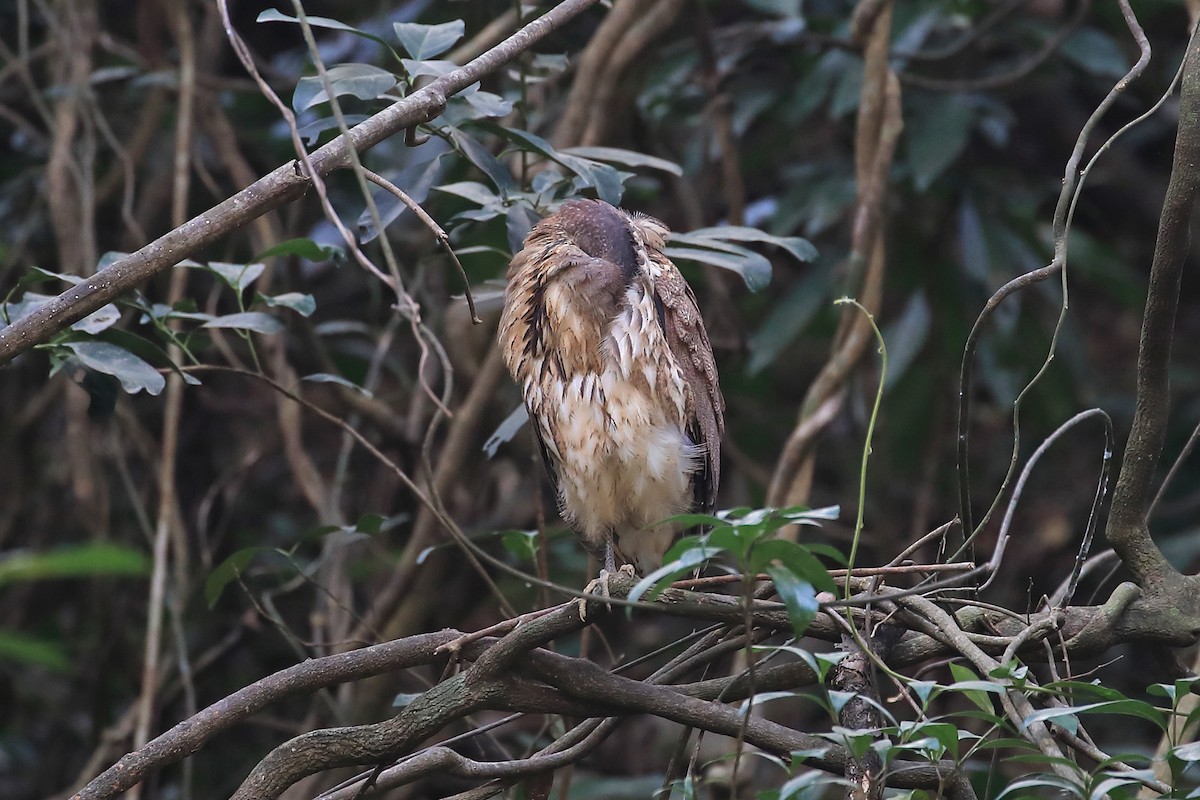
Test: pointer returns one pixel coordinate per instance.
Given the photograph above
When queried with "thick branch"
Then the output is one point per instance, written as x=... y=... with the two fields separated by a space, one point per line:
x=1126 y=617
x=190 y=735
x=281 y=186
x=1127 y=531
x=480 y=686
x=586 y=681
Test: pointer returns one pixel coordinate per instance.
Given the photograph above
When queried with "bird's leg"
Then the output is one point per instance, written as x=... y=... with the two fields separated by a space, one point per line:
x=601 y=581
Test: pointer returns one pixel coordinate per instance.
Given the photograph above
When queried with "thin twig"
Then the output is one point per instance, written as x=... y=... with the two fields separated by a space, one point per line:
x=1073 y=183
x=441 y=235
x=1010 y=76
x=1019 y=489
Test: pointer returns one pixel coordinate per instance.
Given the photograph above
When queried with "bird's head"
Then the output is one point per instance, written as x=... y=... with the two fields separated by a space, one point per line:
x=604 y=231
x=601 y=231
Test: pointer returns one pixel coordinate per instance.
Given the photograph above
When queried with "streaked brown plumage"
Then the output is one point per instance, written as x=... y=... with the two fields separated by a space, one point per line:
x=606 y=341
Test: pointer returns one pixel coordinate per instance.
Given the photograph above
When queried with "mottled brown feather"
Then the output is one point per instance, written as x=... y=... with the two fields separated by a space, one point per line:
x=688 y=340
x=605 y=338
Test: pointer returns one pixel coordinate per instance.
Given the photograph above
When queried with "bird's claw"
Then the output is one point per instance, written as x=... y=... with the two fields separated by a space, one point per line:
x=601 y=583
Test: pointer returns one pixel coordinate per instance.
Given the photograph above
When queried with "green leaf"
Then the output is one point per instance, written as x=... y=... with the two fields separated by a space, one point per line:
x=93 y=323
x=1077 y=690
x=236 y=276
x=433 y=68
x=626 y=158
x=793 y=558
x=483 y=104
x=1128 y=707
x=36 y=274
x=325 y=377
x=98 y=321
x=857 y=741
x=1007 y=743
x=754 y=269
x=133 y=373
x=311 y=133
x=820 y=663
x=696 y=520
x=227 y=571
x=1187 y=752
x=94 y=560
x=364 y=81
x=803 y=514
x=519 y=220
x=148 y=351
x=799 y=248
x=828 y=551
x=936 y=136
x=472 y=190
x=1041 y=785
x=811 y=784
x=922 y=689
x=1095 y=52
x=653 y=584
x=423 y=42
x=787 y=320
x=302 y=304
x=522 y=544
x=734 y=540
x=161 y=311
x=483 y=159
x=799 y=597
x=29 y=302
x=255 y=321
x=506 y=430
x=370 y=523
x=1106 y=789
x=973 y=688
x=906 y=336
x=417 y=188
x=601 y=177
x=32 y=650
x=304 y=248
x=274 y=15
x=404 y=699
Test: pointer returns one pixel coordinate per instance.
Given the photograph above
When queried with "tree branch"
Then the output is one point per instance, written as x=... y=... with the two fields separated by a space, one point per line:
x=283 y=185
x=1128 y=531
x=190 y=735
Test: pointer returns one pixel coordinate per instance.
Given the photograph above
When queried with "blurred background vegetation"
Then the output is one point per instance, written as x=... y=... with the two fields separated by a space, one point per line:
x=755 y=103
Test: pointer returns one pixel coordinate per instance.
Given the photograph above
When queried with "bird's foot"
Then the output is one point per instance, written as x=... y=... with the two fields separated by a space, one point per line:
x=600 y=583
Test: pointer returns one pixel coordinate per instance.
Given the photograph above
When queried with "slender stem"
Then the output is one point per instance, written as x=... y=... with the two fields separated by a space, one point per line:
x=866 y=451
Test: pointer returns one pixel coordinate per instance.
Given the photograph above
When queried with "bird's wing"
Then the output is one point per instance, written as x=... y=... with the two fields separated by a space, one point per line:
x=550 y=461
x=684 y=330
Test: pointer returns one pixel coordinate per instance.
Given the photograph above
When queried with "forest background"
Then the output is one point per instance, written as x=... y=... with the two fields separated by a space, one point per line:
x=280 y=451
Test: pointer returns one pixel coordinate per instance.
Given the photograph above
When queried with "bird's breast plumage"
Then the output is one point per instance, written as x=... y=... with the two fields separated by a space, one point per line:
x=585 y=338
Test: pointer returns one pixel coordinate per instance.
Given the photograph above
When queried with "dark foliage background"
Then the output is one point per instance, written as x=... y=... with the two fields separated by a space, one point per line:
x=755 y=101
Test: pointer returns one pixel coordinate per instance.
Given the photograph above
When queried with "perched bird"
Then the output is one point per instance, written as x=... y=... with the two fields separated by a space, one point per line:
x=603 y=335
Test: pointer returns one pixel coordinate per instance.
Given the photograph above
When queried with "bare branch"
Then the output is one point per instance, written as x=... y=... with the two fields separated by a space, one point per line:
x=1128 y=531
x=190 y=735
x=278 y=187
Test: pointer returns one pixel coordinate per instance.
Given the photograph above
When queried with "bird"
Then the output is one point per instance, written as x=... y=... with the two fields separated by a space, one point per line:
x=605 y=339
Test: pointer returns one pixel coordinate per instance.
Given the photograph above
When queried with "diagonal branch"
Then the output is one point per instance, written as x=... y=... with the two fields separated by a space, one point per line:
x=281 y=186
x=190 y=735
